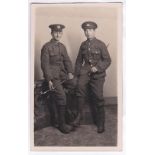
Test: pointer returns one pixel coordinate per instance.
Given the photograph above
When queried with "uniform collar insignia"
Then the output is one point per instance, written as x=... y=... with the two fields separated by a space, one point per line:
x=91 y=39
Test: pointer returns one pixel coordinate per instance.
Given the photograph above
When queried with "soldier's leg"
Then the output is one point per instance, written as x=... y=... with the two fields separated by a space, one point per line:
x=70 y=84
x=71 y=109
x=60 y=99
x=53 y=111
x=98 y=99
x=81 y=92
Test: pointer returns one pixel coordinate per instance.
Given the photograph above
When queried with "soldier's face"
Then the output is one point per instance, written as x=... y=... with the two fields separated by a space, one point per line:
x=89 y=33
x=57 y=35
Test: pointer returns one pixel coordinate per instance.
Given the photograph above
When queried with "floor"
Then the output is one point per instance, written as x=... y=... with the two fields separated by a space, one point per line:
x=85 y=135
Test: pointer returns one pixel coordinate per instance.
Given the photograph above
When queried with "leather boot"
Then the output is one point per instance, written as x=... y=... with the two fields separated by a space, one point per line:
x=63 y=127
x=80 y=102
x=100 y=119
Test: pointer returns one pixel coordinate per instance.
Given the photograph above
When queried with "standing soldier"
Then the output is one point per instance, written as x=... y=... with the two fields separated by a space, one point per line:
x=57 y=67
x=92 y=61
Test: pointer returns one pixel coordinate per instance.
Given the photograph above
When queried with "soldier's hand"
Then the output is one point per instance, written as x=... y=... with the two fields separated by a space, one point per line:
x=50 y=85
x=70 y=76
x=94 y=69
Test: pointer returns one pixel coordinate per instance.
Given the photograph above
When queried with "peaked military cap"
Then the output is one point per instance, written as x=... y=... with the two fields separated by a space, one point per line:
x=56 y=27
x=89 y=25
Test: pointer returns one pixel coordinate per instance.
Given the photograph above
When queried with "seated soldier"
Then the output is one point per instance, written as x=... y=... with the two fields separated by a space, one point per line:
x=57 y=69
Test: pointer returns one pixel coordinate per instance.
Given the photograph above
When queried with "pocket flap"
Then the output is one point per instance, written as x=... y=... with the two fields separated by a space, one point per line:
x=96 y=51
x=52 y=53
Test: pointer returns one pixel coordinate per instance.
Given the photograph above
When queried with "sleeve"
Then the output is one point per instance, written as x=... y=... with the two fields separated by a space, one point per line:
x=105 y=60
x=78 y=63
x=67 y=62
x=45 y=63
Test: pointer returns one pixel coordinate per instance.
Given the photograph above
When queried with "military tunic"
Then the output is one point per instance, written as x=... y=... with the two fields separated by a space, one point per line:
x=92 y=53
x=56 y=65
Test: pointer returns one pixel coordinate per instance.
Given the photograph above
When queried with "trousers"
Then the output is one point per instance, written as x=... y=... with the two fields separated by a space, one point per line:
x=58 y=94
x=87 y=85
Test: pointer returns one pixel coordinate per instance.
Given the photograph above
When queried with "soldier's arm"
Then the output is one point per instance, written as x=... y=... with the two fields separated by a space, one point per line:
x=45 y=63
x=67 y=62
x=78 y=63
x=105 y=61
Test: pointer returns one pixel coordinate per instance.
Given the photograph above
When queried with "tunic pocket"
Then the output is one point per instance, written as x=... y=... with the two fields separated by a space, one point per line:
x=52 y=53
x=96 y=54
x=54 y=57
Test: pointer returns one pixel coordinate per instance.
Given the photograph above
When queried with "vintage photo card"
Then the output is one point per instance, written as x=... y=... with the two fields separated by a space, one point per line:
x=76 y=76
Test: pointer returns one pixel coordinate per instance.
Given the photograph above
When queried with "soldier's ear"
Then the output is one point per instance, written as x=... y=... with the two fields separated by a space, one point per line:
x=51 y=32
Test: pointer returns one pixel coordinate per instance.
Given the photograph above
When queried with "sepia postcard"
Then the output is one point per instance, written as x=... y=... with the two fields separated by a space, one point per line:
x=82 y=44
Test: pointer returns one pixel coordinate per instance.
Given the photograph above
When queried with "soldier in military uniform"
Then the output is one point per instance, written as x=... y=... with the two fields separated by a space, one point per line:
x=92 y=61
x=57 y=67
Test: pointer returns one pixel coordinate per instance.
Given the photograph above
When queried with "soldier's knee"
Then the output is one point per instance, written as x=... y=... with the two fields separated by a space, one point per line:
x=98 y=97
x=80 y=85
x=72 y=83
x=80 y=91
x=62 y=96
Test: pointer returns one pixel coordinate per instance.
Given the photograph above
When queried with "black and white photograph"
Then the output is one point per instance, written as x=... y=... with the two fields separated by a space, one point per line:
x=76 y=76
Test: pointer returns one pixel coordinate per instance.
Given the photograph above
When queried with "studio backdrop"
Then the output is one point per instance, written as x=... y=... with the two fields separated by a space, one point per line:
x=109 y=31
